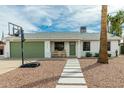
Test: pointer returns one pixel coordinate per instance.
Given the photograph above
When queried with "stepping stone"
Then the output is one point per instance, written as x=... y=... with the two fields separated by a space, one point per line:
x=72 y=61
x=72 y=70
x=71 y=67
x=71 y=86
x=67 y=75
x=70 y=81
x=73 y=64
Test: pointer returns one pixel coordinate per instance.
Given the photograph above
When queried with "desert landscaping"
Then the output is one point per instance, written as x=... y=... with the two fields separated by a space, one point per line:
x=103 y=75
x=44 y=76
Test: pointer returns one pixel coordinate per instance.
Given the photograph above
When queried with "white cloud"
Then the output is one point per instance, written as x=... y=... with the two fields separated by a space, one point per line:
x=115 y=8
x=58 y=17
x=10 y=15
x=86 y=14
x=44 y=14
x=80 y=16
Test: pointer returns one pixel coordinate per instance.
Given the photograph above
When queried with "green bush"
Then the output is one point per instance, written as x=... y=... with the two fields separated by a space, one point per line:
x=88 y=54
x=96 y=55
x=109 y=55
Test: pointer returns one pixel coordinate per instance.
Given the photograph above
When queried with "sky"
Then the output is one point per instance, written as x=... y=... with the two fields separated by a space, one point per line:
x=49 y=18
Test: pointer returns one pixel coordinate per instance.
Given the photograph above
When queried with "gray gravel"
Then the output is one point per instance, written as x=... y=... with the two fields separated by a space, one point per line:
x=44 y=76
x=104 y=75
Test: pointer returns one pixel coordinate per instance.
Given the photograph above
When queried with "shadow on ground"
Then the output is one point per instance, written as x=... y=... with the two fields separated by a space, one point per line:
x=40 y=83
x=91 y=66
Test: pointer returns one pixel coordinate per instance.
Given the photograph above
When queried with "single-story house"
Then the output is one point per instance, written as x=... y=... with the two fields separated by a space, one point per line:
x=58 y=44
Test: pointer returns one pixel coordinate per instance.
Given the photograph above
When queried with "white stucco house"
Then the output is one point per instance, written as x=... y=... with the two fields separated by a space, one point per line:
x=58 y=44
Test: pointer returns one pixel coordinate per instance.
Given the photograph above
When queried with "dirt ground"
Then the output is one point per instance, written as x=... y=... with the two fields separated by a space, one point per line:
x=47 y=74
x=44 y=76
x=103 y=75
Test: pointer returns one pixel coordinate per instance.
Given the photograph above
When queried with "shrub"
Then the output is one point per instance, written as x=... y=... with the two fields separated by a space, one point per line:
x=109 y=55
x=88 y=54
x=96 y=55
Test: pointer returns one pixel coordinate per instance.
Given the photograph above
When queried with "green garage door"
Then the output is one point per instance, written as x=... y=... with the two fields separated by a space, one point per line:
x=31 y=49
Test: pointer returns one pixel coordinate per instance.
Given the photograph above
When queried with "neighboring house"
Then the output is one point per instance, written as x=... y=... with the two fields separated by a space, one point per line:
x=58 y=44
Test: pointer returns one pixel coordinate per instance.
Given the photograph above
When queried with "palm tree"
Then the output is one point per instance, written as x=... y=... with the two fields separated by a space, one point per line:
x=103 y=55
x=116 y=23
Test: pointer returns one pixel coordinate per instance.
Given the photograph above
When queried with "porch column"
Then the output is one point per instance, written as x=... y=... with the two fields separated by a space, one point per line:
x=47 y=49
x=67 y=48
x=78 y=49
x=7 y=49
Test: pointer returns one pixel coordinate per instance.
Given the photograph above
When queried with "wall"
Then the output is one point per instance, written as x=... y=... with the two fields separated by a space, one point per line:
x=66 y=46
x=47 y=49
x=7 y=49
x=94 y=48
x=78 y=48
x=114 y=47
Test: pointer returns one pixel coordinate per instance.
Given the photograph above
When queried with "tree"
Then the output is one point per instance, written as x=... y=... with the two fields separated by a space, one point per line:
x=116 y=22
x=103 y=55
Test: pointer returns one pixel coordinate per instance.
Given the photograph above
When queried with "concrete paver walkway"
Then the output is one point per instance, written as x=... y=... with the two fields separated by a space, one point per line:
x=72 y=77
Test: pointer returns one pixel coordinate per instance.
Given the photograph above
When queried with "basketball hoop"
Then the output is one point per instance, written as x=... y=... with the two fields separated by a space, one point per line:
x=17 y=31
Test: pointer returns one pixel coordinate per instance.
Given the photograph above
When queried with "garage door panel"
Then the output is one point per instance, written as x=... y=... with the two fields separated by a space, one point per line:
x=15 y=50
x=31 y=49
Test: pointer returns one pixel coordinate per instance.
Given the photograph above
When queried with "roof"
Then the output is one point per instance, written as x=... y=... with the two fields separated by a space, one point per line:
x=66 y=35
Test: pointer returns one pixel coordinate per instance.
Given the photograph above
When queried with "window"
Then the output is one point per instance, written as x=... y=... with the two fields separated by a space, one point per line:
x=1 y=51
x=109 y=46
x=59 y=46
x=86 y=46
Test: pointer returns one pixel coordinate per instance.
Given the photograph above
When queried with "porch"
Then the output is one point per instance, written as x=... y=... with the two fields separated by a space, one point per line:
x=62 y=49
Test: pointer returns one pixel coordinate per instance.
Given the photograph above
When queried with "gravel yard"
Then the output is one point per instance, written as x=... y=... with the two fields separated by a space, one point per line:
x=104 y=75
x=44 y=76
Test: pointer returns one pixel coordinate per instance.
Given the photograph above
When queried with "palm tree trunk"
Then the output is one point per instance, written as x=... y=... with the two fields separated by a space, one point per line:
x=103 y=55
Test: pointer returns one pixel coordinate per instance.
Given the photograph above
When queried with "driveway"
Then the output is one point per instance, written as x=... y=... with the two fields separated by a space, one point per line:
x=7 y=65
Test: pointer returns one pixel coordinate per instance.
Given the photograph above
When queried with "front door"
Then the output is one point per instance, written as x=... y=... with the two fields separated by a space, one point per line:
x=72 y=49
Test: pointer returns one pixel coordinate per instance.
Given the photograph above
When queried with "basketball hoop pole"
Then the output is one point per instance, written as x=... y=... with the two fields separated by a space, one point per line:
x=22 y=41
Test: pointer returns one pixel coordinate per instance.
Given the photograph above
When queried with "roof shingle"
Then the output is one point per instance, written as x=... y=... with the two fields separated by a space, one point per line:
x=66 y=35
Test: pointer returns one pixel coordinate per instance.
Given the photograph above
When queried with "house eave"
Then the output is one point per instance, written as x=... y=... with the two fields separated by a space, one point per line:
x=56 y=39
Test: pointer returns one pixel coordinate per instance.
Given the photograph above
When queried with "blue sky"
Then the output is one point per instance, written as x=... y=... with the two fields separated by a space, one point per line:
x=53 y=18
